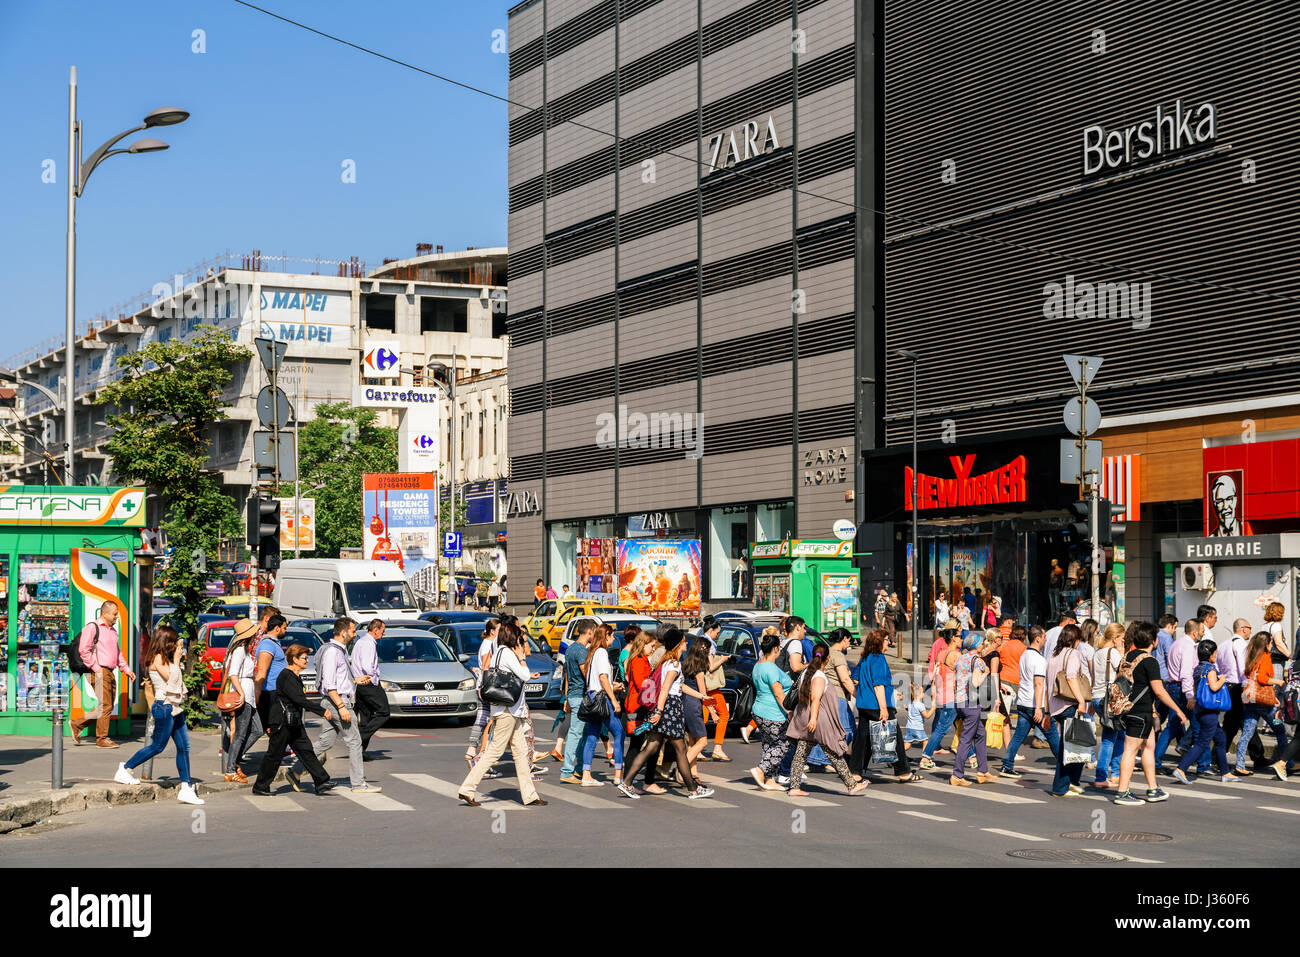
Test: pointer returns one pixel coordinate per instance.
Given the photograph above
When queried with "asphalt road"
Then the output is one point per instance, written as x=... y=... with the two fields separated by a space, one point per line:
x=418 y=821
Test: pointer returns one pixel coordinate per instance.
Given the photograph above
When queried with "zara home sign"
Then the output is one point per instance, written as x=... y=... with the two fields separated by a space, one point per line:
x=756 y=138
x=1152 y=140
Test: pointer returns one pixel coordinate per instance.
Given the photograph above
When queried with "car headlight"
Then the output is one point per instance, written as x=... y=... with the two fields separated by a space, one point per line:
x=466 y=685
x=558 y=672
x=390 y=686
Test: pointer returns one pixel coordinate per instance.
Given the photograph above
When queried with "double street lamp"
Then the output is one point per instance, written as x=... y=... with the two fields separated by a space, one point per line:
x=77 y=175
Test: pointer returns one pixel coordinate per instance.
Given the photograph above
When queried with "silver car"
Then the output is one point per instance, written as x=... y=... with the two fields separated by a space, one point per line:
x=422 y=677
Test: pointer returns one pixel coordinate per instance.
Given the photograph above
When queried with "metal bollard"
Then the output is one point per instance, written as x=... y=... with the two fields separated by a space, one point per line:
x=56 y=746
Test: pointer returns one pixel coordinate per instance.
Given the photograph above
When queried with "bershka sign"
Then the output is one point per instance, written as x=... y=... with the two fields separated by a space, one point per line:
x=1107 y=150
x=1002 y=485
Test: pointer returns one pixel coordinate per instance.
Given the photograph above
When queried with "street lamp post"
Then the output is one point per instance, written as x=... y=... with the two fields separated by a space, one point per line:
x=916 y=545
x=77 y=175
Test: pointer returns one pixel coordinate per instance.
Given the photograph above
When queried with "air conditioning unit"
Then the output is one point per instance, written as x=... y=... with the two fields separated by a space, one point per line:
x=1199 y=577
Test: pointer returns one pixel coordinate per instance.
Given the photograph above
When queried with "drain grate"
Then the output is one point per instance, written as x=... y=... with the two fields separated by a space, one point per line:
x=1048 y=856
x=1119 y=837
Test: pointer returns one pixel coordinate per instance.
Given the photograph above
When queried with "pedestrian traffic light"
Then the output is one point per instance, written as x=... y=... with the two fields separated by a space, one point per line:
x=268 y=534
x=1105 y=530
x=1083 y=528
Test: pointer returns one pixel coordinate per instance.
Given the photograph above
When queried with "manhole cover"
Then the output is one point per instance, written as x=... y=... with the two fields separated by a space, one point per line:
x=1048 y=856
x=1122 y=837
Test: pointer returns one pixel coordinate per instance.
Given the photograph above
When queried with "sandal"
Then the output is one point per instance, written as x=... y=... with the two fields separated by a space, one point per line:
x=718 y=757
x=654 y=789
x=907 y=778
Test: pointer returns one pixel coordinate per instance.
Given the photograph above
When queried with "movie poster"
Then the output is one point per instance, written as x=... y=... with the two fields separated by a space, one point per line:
x=597 y=569
x=963 y=571
x=400 y=519
x=659 y=576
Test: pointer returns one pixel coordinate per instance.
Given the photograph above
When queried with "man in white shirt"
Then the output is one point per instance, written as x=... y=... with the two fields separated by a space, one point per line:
x=940 y=612
x=1209 y=618
x=1049 y=643
x=1031 y=702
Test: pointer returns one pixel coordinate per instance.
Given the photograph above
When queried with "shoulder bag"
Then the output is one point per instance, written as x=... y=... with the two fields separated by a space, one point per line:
x=1062 y=687
x=500 y=686
x=230 y=700
x=1253 y=692
x=791 y=700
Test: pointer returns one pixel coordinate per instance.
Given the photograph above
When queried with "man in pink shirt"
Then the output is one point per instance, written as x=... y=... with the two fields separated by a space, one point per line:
x=99 y=648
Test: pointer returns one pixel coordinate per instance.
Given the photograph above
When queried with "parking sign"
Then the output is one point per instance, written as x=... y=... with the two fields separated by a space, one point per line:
x=451 y=544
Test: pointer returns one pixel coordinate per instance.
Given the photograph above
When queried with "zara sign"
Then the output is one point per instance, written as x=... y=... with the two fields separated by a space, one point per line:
x=757 y=138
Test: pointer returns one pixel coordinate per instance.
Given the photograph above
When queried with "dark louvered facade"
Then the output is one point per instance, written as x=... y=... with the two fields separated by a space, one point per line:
x=648 y=277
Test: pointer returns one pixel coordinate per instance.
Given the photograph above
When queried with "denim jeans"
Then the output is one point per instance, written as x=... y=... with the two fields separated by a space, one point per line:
x=1110 y=747
x=1255 y=714
x=1023 y=727
x=166 y=726
x=1209 y=736
x=943 y=720
x=591 y=732
x=850 y=722
x=1173 y=728
x=1066 y=774
x=573 y=741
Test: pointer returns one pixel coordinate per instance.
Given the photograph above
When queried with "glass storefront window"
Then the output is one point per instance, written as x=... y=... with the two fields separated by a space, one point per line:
x=772 y=523
x=562 y=551
x=728 y=545
x=599 y=528
x=41 y=667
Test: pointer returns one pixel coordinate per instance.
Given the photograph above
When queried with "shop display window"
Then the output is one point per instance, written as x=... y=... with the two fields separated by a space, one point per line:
x=728 y=549
x=41 y=666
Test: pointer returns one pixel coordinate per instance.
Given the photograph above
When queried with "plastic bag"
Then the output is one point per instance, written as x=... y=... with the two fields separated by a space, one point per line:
x=884 y=742
x=993 y=729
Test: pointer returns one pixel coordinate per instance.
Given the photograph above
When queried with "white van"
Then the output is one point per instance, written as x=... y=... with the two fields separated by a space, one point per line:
x=329 y=587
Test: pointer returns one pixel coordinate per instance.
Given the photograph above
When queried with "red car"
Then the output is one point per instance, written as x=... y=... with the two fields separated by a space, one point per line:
x=218 y=635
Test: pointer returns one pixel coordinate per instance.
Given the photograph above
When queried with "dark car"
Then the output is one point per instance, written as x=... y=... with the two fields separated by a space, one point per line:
x=545 y=686
x=309 y=640
x=443 y=617
x=741 y=636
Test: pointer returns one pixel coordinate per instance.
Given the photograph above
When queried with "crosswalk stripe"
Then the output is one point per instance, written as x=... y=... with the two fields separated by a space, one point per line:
x=1179 y=791
x=976 y=792
x=930 y=817
x=755 y=791
x=1247 y=786
x=1016 y=834
x=574 y=794
x=273 y=803
x=1280 y=810
x=451 y=789
x=373 y=802
x=1019 y=787
x=891 y=795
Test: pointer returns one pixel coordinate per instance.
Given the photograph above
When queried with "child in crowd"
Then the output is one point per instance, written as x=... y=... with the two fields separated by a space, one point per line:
x=917 y=713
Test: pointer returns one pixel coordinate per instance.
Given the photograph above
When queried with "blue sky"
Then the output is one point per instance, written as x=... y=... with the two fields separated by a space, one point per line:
x=275 y=113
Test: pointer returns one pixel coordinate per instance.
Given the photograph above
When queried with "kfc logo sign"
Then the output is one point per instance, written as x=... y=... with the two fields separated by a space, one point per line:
x=1224 y=500
x=1002 y=485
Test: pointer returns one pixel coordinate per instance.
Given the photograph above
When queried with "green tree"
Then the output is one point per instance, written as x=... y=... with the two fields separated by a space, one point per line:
x=335 y=449
x=165 y=405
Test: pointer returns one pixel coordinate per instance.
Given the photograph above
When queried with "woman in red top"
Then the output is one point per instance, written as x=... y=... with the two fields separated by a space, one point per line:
x=641 y=645
x=1257 y=677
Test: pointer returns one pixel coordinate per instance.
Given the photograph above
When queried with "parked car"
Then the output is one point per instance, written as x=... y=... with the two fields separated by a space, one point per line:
x=313 y=588
x=423 y=677
x=545 y=686
x=549 y=629
x=618 y=621
x=442 y=617
x=309 y=639
x=322 y=628
x=218 y=635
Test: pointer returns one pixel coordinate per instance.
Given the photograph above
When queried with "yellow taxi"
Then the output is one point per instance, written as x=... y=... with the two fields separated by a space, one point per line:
x=547 y=623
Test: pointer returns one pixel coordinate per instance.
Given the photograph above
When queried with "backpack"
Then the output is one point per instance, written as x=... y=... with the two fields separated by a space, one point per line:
x=75 y=663
x=783 y=657
x=1117 y=695
x=648 y=696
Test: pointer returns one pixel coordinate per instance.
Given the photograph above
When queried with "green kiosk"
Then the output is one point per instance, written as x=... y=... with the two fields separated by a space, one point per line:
x=64 y=551
x=812 y=578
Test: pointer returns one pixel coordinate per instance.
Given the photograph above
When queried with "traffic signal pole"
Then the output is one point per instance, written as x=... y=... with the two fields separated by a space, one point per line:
x=1094 y=499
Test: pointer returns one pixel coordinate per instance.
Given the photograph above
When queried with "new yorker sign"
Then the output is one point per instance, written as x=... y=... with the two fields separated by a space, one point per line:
x=965 y=488
x=1168 y=133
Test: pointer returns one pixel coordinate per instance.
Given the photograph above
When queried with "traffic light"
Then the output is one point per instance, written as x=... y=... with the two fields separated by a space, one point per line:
x=264 y=531
x=1082 y=529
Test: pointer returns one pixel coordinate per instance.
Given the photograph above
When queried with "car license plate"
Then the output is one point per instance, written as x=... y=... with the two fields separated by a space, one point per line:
x=536 y=688
x=420 y=699
x=309 y=687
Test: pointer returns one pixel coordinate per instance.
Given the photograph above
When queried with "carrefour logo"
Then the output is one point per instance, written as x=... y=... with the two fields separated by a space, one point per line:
x=424 y=442
x=381 y=359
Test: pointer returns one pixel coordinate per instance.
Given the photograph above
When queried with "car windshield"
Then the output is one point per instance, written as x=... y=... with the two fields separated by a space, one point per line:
x=300 y=637
x=379 y=594
x=648 y=625
x=220 y=637
x=413 y=649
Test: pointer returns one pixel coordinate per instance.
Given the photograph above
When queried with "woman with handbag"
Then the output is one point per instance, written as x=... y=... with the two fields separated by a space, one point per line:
x=667 y=722
x=971 y=687
x=697 y=703
x=486 y=650
x=1212 y=700
x=715 y=679
x=1069 y=698
x=1257 y=694
x=770 y=717
x=1105 y=666
x=815 y=719
x=636 y=660
x=503 y=688
x=235 y=701
x=600 y=710
x=875 y=703
x=288 y=708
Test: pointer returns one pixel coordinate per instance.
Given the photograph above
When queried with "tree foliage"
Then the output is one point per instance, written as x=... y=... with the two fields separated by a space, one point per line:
x=164 y=407
x=335 y=449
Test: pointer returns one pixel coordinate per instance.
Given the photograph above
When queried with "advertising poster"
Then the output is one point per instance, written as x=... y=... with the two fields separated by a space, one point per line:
x=772 y=593
x=597 y=568
x=298 y=531
x=659 y=576
x=983 y=580
x=400 y=516
x=98 y=575
x=942 y=558
x=911 y=578
x=963 y=571
x=839 y=602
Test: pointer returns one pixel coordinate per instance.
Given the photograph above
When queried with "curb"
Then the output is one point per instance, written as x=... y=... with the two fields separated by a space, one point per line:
x=19 y=813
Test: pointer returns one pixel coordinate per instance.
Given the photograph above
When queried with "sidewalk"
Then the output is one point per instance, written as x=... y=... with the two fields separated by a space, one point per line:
x=25 y=763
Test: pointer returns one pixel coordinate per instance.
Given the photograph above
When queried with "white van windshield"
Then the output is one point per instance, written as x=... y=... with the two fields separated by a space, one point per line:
x=379 y=595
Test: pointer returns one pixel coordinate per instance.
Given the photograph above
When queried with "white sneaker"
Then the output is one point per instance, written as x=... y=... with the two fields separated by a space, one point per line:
x=123 y=776
x=367 y=789
x=185 y=794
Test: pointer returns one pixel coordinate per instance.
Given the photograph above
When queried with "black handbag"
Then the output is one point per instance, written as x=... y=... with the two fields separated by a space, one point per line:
x=791 y=700
x=500 y=686
x=594 y=708
x=1080 y=732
